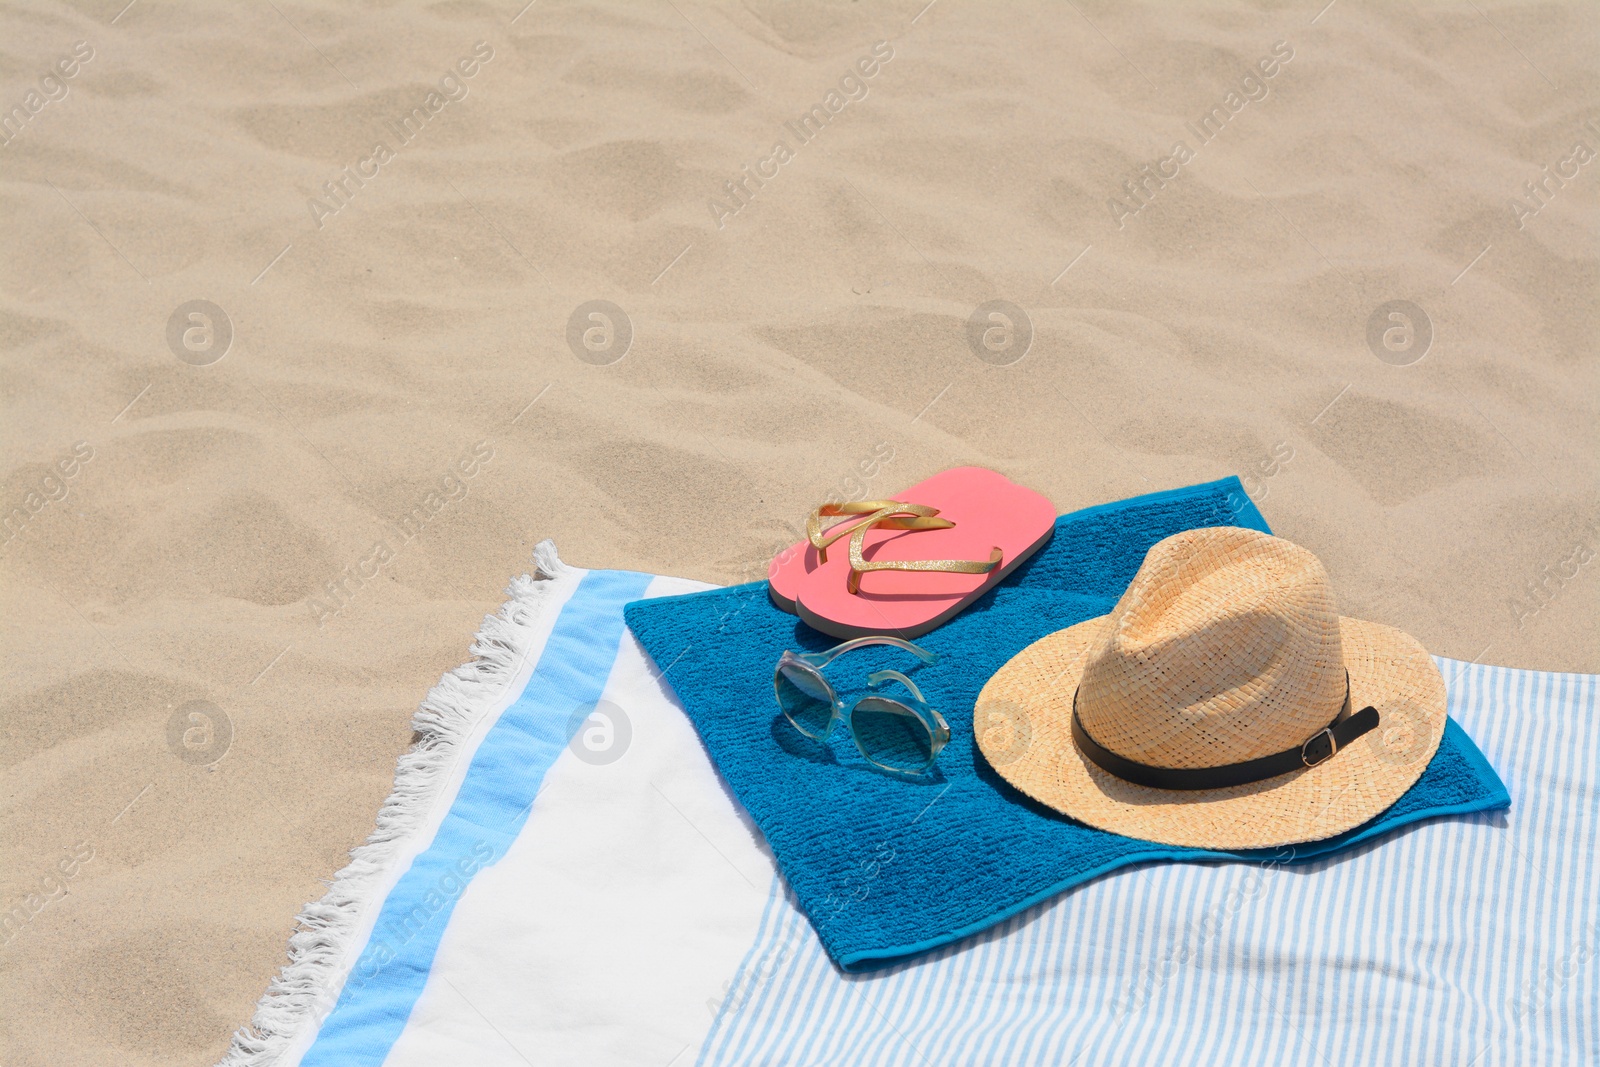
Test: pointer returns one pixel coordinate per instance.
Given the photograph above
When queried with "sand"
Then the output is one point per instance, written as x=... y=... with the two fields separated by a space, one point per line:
x=304 y=533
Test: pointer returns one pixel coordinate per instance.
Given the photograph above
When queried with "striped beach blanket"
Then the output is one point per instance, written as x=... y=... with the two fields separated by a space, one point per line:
x=560 y=877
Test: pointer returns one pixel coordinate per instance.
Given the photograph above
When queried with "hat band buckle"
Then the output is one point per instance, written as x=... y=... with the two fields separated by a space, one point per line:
x=1333 y=747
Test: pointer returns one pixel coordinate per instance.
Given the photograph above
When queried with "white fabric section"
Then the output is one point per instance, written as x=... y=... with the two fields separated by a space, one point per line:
x=615 y=923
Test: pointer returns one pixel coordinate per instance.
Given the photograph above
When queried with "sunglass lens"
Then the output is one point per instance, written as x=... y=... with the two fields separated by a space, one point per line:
x=892 y=735
x=805 y=700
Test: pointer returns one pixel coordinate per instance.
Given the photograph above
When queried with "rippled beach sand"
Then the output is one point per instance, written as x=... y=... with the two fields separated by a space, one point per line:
x=299 y=367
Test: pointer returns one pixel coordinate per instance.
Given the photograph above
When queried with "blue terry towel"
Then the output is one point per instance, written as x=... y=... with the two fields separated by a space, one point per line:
x=886 y=868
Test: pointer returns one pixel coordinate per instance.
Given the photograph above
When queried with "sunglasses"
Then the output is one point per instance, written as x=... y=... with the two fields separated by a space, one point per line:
x=901 y=736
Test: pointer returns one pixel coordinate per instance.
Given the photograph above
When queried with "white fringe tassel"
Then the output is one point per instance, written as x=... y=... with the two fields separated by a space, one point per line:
x=307 y=988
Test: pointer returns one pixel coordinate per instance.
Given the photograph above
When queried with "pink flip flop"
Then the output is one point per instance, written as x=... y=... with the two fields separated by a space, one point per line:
x=906 y=580
x=790 y=568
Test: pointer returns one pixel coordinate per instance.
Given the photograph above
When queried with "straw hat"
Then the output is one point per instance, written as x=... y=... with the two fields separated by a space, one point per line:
x=1223 y=704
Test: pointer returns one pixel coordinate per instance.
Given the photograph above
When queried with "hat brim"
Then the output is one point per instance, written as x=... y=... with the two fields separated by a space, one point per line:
x=1023 y=725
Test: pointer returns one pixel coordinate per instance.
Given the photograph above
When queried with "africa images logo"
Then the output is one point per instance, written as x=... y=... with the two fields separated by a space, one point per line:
x=337 y=193
x=1140 y=188
x=53 y=89
x=852 y=88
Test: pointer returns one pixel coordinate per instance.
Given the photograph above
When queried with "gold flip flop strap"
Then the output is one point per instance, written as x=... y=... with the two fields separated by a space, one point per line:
x=859 y=564
x=888 y=513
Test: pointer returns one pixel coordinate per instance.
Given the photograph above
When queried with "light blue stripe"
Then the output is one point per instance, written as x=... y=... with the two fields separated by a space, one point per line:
x=1410 y=949
x=1032 y=973
x=909 y=983
x=856 y=993
x=772 y=986
x=794 y=1025
x=741 y=987
x=993 y=1001
x=495 y=798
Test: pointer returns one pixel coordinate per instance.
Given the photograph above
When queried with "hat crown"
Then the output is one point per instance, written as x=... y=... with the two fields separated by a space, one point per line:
x=1224 y=648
